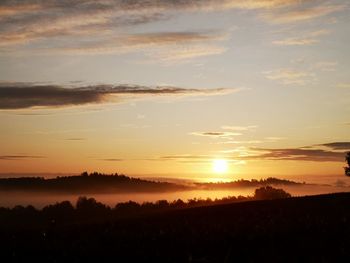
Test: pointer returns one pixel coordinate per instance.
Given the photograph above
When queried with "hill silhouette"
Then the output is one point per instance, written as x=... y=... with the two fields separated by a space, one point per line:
x=88 y=183
x=115 y=183
x=302 y=229
x=247 y=183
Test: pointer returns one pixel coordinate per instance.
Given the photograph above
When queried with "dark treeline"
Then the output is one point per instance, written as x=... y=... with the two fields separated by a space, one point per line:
x=88 y=183
x=247 y=183
x=115 y=183
x=89 y=210
x=302 y=229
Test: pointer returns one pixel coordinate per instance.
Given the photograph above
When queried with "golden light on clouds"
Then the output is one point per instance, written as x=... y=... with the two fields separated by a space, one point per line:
x=175 y=88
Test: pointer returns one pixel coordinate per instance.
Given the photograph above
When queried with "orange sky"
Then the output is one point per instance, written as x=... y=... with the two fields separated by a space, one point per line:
x=165 y=89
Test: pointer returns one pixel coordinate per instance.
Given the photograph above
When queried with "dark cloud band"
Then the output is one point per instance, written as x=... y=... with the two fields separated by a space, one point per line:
x=337 y=145
x=296 y=154
x=285 y=154
x=20 y=96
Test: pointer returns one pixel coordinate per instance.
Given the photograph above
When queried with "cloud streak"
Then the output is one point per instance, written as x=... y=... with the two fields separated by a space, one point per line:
x=216 y=134
x=165 y=46
x=337 y=145
x=303 y=14
x=304 y=40
x=242 y=154
x=289 y=76
x=295 y=154
x=111 y=160
x=27 y=95
x=19 y=157
x=23 y=22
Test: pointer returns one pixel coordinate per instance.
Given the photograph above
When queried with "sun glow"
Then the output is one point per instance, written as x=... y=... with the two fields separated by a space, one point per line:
x=220 y=166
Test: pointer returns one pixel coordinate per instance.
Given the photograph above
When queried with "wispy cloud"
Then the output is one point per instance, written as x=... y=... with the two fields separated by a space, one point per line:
x=334 y=152
x=19 y=157
x=111 y=160
x=337 y=145
x=289 y=76
x=216 y=134
x=135 y=42
x=79 y=21
x=309 y=38
x=164 y=47
x=183 y=54
x=242 y=154
x=26 y=95
x=302 y=14
x=326 y=65
x=296 y=154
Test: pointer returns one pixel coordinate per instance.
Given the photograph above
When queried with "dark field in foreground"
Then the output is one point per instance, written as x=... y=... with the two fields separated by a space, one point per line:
x=312 y=229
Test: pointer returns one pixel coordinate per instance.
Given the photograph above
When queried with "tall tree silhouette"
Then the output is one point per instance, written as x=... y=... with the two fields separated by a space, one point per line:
x=347 y=159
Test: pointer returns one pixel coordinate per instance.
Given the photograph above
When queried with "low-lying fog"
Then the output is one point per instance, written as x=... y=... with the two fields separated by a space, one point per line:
x=39 y=200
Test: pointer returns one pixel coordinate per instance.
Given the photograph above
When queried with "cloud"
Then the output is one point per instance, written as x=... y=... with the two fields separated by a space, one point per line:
x=289 y=76
x=295 y=41
x=303 y=14
x=27 y=95
x=19 y=157
x=326 y=65
x=111 y=160
x=184 y=156
x=23 y=8
x=309 y=38
x=186 y=53
x=241 y=154
x=76 y=21
x=295 y=154
x=216 y=134
x=337 y=145
x=164 y=46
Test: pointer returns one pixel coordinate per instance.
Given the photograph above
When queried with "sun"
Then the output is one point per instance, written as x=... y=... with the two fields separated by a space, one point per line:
x=220 y=166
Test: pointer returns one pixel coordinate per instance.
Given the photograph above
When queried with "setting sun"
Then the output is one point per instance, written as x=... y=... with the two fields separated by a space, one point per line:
x=220 y=166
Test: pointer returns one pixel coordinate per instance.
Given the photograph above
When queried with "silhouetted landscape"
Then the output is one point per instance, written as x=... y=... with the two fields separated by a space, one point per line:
x=270 y=226
x=199 y=131
x=115 y=183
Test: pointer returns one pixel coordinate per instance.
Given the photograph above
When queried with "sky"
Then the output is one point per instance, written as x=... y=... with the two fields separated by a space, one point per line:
x=165 y=88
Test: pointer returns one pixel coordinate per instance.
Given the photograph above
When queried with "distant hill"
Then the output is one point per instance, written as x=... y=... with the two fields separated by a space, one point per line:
x=115 y=183
x=247 y=183
x=88 y=183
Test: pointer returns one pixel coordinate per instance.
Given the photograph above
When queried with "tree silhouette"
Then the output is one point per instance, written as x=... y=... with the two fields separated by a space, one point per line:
x=268 y=192
x=347 y=159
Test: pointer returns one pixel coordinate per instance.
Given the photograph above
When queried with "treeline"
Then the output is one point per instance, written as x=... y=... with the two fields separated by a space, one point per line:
x=86 y=183
x=301 y=229
x=247 y=183
x=90 y=210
